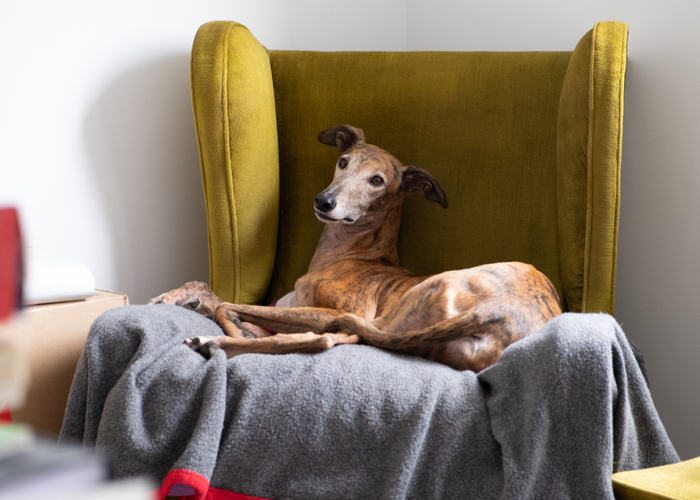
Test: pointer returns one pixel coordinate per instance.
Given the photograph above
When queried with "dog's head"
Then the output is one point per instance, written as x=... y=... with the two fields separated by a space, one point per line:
x=368 y=181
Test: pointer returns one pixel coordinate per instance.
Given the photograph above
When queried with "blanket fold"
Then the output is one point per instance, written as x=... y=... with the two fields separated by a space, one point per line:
x=553 y=418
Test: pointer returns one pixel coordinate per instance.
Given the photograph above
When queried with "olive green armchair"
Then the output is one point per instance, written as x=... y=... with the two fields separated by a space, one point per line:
x=526 y=144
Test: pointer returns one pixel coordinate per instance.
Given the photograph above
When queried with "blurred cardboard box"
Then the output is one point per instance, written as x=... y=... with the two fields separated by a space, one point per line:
x=40 y=346
x=50 y=340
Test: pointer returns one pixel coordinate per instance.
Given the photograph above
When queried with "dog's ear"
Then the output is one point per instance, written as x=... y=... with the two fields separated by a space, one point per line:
x=343 y=136
x=418 y=180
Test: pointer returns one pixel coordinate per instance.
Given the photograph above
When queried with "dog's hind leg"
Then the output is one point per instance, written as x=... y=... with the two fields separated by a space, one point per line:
x=276 y=344
x=472 y=340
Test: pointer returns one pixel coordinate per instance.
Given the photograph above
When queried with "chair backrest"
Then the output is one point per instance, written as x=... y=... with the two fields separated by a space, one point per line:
x=525 y=144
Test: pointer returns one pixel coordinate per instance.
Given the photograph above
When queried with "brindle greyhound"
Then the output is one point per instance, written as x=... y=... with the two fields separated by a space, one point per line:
x=356 y=291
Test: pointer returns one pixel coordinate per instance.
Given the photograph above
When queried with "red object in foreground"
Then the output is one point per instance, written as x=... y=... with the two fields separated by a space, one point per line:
x=5 y=417
x=193 y=486
x=10 y=277
x=10 y=263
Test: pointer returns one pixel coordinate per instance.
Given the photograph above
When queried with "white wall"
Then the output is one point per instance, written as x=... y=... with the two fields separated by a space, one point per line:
x=659 y=246
x=97 y=145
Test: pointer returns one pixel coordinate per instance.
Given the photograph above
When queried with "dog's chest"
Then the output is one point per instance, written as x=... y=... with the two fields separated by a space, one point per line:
x=350 y=286
x=348 y=290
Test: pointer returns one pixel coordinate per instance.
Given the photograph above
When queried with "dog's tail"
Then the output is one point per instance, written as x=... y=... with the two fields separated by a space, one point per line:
x=474 y=322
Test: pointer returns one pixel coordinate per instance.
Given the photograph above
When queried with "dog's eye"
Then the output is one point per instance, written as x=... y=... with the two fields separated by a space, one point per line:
x=377 y=181
x=343 y=163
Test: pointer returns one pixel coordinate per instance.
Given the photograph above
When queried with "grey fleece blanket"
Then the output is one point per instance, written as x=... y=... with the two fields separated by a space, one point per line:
x=554 y=418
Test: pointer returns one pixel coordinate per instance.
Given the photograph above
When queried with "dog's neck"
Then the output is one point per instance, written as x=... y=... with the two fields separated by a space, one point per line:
x=368 y=241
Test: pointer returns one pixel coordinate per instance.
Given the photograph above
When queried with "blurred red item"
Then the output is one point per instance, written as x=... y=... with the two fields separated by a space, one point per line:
x=10 y=277
x=5 y=417
x=10 y=263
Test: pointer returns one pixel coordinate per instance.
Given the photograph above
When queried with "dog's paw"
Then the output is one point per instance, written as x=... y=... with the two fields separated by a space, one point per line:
x=193 y=295
x=206 y=346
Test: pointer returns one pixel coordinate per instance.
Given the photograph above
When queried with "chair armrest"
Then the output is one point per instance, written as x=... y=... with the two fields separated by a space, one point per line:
x=589 y=146
x=237 y=141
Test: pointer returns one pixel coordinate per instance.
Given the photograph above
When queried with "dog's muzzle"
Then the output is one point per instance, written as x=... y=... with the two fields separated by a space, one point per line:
x=324 y=202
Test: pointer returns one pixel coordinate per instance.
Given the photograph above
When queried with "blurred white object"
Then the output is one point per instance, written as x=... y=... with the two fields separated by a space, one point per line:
x=53 y=279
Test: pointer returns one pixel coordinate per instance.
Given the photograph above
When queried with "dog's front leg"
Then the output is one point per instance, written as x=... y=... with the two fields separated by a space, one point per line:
x=198 y=297
x=194 y=295
x=279 y=319
x=304 y=327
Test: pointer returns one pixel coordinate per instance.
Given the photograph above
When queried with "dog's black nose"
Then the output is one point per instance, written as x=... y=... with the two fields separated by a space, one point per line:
x=324 y=202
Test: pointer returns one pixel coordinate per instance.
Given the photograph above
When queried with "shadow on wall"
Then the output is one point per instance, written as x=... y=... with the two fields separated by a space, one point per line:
x=141 y=141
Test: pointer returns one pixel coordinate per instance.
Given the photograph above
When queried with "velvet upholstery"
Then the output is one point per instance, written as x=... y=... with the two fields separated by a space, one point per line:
x=679 y=481
x=526 y=145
